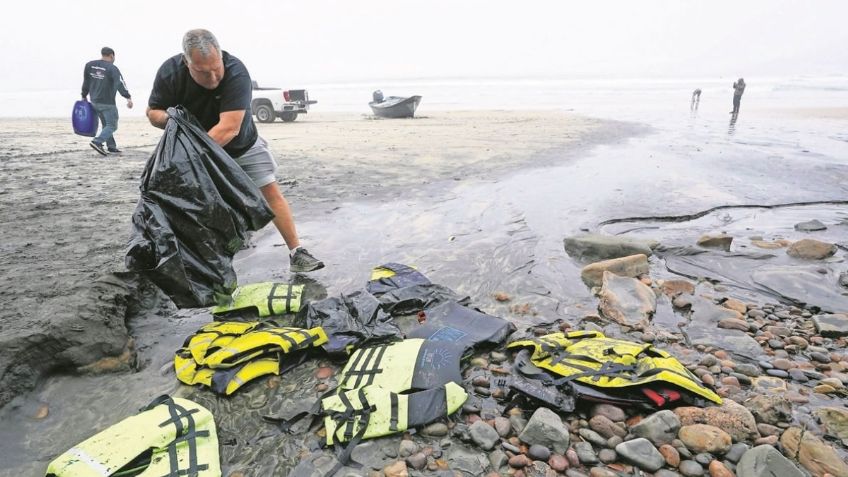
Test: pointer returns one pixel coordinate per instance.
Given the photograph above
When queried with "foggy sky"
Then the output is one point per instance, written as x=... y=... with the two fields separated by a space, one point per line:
x=46 y=43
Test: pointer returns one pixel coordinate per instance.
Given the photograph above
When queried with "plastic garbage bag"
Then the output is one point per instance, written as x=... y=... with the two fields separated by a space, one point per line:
x=471 y=328
x=196 y=208
x=84 y=119
x=350 y=321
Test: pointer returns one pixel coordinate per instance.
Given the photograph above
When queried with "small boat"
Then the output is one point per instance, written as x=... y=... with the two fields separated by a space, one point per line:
x=394 y=106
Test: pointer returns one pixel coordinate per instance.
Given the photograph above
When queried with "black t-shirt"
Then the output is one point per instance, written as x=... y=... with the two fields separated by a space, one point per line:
x=174 y=86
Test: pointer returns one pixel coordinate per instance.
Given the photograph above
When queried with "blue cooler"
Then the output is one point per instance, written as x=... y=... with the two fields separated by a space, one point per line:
x=84 y=118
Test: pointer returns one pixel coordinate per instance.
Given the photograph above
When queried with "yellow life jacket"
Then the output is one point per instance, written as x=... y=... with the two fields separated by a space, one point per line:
x=373 y=411
x=227 y=355
x=591 y=358
x=389 y=388
x=267 y=298
x=171 y=437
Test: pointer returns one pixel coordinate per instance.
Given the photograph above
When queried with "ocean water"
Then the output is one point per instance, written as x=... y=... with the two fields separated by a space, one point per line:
x=595 y=96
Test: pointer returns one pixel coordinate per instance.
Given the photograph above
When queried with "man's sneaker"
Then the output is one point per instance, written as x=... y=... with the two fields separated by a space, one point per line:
x=303 y=261
x=98 y=147
x=114 y=150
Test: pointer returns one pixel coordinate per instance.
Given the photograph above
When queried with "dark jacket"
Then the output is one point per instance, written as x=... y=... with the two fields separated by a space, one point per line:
x=101 y=79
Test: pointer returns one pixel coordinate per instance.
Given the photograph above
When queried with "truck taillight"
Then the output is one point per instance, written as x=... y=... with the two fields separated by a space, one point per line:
x=286 y=96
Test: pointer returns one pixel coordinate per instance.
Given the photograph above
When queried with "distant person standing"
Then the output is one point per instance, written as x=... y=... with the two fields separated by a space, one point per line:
x=215 y=87
x=696 y=99
x=738 y=89
x=101 y=79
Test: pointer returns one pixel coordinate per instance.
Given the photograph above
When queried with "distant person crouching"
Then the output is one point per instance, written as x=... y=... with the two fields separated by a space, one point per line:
x=696 y=99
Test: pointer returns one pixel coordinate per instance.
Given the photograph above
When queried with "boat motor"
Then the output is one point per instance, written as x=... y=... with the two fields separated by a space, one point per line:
x=377 y=96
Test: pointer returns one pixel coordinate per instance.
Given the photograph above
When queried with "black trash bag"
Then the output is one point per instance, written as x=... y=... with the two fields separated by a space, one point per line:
x=411 y=300
x=405 y=276
x=195 y=210
x=350 y=321
x=471 y=328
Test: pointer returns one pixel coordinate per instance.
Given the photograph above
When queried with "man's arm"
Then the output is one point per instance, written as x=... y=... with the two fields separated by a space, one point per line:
x=157 y=117
x=85 y=81
x=228 y=127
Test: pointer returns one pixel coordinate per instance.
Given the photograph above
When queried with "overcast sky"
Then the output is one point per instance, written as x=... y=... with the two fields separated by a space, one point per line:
x=46 y=43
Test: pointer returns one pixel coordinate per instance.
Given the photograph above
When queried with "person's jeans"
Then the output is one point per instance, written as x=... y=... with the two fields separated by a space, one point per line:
x=108 y=114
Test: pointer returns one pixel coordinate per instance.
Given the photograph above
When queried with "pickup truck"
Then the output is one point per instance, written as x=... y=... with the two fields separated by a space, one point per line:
x=271 y=103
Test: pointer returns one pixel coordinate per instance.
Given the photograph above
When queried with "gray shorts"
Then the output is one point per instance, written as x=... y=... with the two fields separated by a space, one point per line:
x=259 y=163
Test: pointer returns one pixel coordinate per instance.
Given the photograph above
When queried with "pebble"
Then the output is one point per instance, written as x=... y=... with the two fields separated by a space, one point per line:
x=736 y=451
x=607 y=456
x=407 y=448
x=497 y=357
x=396 y=469
x=690 y=468
x=558 y=462
x=765 y=365
x=42 y=412
x=778 y=373
x=798 y=375
x=510 y=447
x=782 y=363
x=666 y=473
x=775 y=344
x=717 y=469
x=502 y=426
x=518 y=461
x=601 y=472
x=605 y=427
x=574 y=473
x=417 y=461
x=672 y=457
x=324 y=372
x=613 y=413
x=593 y=437
x=614 y=441
x=585 y=453
x=748 y=370
x=498 y=459
x=539 y=452
x=704 y=458
x=437 y=429
x=820 y=357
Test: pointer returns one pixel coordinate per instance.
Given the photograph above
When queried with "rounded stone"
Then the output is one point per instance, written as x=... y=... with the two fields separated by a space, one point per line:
x=690 y=468
x=558 y=462
x=539 y=452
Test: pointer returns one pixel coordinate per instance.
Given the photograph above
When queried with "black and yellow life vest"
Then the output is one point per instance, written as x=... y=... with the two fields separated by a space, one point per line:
x=267 y=298
x=591 y=358
x=389 y=388
x=171 y=437
x=227 y=355
x=391 y=276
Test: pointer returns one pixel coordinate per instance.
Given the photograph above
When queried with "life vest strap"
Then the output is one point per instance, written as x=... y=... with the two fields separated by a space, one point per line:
x=393 y=422
x=273 y=296
x=368 y=369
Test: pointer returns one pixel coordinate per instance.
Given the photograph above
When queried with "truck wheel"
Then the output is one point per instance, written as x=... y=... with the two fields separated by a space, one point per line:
x=264 y=114
x=288 y=117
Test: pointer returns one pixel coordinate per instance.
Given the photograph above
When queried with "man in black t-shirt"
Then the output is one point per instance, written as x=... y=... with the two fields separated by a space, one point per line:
x=215 y=87
x=100 y=80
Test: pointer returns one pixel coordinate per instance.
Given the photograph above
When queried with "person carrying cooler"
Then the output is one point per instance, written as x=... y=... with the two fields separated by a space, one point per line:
x=101 y=79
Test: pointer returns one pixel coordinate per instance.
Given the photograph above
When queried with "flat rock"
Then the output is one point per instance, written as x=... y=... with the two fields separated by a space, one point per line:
x=831 y=325
x=813 y=285
x=732 y=417
x=659 y=428
x=466 y=460
x=585 y=453
x=834 y=420
x=811 y=249
x=626 y=301
x=812 y=453
x=641 y=453
x=720 y=242
x=705 y=438
x=603 y=426
x=770 y=408
x=483 y=434
x=814 y=225
x=546 y=428
x=630 y=266
x=613 y=413
x=595 y=247
x=766 y=461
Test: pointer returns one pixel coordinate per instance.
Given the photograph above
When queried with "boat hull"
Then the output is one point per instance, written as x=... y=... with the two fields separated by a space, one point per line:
x=396 y=107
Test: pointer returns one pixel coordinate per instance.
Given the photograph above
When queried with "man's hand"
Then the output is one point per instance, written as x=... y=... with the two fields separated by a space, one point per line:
x=85 y=96
x=129 y=103
x=157 y=117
